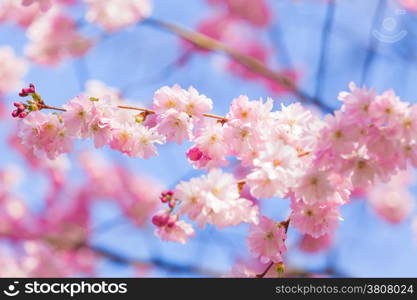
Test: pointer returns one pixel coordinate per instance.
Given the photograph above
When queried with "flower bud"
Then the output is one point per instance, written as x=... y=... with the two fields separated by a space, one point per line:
x=194 y=154
x=160 y=219
x=23 y=114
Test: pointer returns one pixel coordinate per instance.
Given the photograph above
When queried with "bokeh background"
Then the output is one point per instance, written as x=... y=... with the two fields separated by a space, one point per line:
x=329 y=44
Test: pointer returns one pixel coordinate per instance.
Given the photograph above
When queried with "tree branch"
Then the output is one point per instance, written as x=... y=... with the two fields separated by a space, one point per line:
x=153 y=262
x=208 y=43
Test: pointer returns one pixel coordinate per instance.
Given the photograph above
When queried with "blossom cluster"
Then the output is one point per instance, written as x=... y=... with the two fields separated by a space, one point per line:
x=287 y=153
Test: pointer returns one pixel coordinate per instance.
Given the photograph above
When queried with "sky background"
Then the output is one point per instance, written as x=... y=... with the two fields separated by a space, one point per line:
x=132 y=59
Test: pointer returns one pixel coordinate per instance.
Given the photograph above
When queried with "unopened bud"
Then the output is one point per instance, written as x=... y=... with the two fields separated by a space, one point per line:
x=160 y=219
x=23 y=114
x=194 y=154
x=280 y=268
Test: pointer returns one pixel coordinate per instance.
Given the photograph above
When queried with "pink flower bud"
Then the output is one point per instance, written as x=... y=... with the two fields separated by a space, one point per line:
x=166 y=196
x=17 y=104
x=31 y=88
x=23 y=114
x=194 y=154
x=15 y=113
x=161 y=219
x=171 y=203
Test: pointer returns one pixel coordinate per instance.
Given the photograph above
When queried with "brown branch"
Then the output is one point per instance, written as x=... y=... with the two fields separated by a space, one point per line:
x=148 y=111
x=262 y=275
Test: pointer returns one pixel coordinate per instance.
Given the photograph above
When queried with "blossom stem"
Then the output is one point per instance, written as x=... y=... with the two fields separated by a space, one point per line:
x=44 y=106
x=286 y=224
x=215 y=117
x=262 y=275
x=139 y=109
x=136 y=108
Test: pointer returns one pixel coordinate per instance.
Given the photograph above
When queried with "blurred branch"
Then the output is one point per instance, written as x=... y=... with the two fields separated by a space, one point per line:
x=164 y=73
x=327 y=27
x=249 y=62
x=373 y=42
x=153 y=262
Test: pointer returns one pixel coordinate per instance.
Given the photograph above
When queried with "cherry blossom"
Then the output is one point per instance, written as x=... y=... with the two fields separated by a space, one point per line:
x=314 y=219
x=267 y=240
x=313 y=245
x=215 y=199
x=286 y=153
x=54 y=37
x=14 y=12
x=174 y=230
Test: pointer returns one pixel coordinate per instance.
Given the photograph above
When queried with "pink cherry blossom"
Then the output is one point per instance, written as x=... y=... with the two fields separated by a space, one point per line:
x=146 y=139
x=13 y=11
x=124 y=139
x=169 y=98
x=394 y=205
x=45 y=133
x=116 y=14
x=54 y=37
x=314 y=219
x=310 y=244
x=175 y=126
x=197 y=104
x=212 y=143
x=314 y=187
x=392 y=201
x=277 y=169
x=386 y=108
x=176 y=231
x=267 y=240
x=215 y=199
x=79 y=116
x=357 y=103
x=244 y=110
